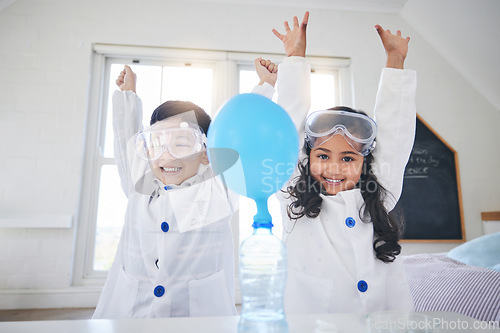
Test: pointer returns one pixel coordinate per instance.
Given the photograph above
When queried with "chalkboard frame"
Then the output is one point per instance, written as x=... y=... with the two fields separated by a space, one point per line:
x=459 y=194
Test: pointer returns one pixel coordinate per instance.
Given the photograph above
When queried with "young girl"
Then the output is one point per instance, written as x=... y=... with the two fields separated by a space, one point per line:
x=175 y=256
x=341 y=240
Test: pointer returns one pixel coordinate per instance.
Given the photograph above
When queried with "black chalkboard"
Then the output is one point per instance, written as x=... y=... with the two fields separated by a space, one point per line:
x=431 y=198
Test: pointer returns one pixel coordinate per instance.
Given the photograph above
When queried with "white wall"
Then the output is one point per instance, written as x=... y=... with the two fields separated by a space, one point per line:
x=45 y=57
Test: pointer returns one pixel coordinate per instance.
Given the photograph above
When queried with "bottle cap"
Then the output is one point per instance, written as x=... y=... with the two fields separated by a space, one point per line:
x=261 y=224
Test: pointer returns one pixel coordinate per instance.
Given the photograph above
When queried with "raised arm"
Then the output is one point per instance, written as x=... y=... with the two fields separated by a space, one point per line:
x=267 y=72
x=395 y=114
x=294 y=40
x=127 y=121
x=127 y=79
x=396 y=47
x=294 y=74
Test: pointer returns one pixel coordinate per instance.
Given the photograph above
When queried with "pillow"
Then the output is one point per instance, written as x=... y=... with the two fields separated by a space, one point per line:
x=483 y=251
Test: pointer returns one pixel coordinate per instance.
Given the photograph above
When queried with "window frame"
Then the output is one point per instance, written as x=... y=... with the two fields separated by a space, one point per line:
x=226 y=66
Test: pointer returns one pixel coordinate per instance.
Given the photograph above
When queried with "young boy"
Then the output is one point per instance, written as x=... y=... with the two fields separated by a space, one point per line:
x=175 y=256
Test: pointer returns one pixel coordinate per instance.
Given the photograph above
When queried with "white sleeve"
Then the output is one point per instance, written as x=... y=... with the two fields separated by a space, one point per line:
x=294 y=95
x=265 y=90
x=395 y=114
x=294 y=90
x=127 y=121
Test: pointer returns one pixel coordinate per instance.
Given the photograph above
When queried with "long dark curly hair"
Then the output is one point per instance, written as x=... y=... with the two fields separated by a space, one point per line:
x=306 y=201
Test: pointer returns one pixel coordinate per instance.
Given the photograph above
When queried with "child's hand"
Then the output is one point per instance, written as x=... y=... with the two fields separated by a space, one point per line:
x=127 y=79
x=295 y=40
x=266 y=70
x=395 y=46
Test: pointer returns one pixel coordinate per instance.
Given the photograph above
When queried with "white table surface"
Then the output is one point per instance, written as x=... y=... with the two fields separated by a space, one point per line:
x=320 y=323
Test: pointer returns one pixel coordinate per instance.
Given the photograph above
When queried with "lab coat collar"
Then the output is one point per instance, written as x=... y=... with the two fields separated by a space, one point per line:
x=342 y=196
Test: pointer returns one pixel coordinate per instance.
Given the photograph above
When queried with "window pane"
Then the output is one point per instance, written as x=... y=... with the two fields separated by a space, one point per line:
x=248 y=80
x=155 y=84
x=110 y=217
x=187 y=83
x=322 y=91
x=148 y=87
x=322 y=96
x=166 y=81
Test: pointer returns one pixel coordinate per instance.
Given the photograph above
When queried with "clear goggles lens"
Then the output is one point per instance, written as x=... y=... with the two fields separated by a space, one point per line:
x=179 y=141
x=358 y=130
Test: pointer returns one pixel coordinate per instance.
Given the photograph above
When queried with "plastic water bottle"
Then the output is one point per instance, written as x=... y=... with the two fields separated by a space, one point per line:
x=262 y=272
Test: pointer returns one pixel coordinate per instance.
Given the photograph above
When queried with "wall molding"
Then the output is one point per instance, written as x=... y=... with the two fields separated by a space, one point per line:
x=36 y=221
x=73 y=297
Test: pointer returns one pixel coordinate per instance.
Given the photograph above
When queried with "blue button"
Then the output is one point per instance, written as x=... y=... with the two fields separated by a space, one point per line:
x=350 y=222
x=165 y=227
x=168 y=188
x=362 y=286
x=159 y=291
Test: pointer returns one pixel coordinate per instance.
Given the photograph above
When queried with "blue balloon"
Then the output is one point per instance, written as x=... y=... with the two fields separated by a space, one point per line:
x=254 y=144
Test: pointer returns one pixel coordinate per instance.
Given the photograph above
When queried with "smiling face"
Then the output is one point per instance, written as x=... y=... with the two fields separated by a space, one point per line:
x=335 y=164
x=173 y=170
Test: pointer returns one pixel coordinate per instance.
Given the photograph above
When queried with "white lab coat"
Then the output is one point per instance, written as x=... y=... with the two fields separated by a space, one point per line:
x=175 y=255
x=327 y=260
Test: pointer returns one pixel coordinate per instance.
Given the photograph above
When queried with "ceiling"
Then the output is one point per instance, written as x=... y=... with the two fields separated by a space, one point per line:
x=5 y=3
x=465 y=32
x=378 y=6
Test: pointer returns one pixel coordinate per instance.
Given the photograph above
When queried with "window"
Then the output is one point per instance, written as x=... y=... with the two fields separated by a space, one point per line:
x=324 y=94
x=156 y=84
x=207 y=78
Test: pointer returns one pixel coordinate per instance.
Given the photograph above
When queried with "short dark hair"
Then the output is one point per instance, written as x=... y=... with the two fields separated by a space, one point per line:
x=174 y=108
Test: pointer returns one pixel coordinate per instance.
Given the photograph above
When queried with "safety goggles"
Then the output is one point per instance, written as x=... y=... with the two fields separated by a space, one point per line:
x=181 y=141
x=358 y=130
